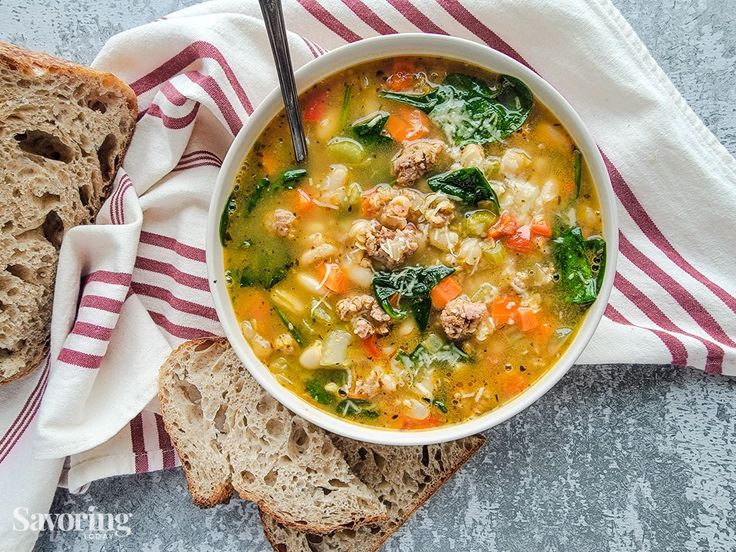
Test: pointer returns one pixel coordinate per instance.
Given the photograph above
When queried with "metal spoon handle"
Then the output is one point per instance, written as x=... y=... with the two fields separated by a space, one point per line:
x=273 y=17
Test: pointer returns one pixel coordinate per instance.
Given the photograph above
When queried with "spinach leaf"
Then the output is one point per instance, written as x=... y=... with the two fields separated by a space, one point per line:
x=359 y=408
x=471 y=112
x=448 y=356
x=574 y=257
x=293 y=330
x=468 y=185
x=369 y=129
x=316 y=385
x=255 y=196
x=265 y=269
x=411 y=284
x=287 y=180
x=577 y=170
x=229 y=209
x=596 y=248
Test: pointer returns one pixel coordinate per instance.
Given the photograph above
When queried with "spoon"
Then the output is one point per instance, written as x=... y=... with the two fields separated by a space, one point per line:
x=273 y=17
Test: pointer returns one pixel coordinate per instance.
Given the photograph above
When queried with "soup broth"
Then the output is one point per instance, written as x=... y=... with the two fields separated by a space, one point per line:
x=432 y=258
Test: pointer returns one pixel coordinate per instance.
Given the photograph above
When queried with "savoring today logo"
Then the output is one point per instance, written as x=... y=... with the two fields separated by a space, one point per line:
x=92 y=524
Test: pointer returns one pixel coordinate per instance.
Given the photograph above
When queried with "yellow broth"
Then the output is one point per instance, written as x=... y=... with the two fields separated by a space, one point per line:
x=318 y=264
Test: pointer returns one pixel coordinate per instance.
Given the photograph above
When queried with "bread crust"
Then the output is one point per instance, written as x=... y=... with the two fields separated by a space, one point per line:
x=24 y=60
x=34 y=65
x=477 y=442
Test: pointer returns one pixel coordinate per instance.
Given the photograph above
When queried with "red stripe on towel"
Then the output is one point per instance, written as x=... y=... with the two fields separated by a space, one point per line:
x=165 y=444
x=139 y=445
x=183 y=278
x=369 y=17
x=167 y=242
x=190 y=54
x=328 y=20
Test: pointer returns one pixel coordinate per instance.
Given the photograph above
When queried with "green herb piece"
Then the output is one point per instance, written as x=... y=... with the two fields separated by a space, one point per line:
x=440 y=406
x=286 y=181
x=229 y=209
x=316 y=385
x=577 y=169
x=471 y=112
x=411 y=284
x=369 y=129
x=467 y=185
x=346 y=105
x=574 y=257
x=358 y=408
x=293 y=330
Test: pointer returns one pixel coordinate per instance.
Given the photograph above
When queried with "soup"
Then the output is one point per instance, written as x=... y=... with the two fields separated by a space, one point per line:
x=432 y=258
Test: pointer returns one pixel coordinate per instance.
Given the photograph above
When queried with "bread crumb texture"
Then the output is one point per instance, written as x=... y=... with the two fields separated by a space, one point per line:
x=64 y=130
x=231 y=435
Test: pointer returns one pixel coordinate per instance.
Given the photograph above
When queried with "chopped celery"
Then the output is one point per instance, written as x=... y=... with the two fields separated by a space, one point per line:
x=346 y=105
x=478 y=222
x=495 y=253
x=346 y=149
x=335 y=348
x=433 y=343
x=353 y=193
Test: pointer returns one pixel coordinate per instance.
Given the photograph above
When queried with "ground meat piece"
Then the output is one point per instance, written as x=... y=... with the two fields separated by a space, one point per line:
x=366 y=316
x=415 y=159
x=280 y=223
x=460 y=317
x=285 y=343
x=388 y=246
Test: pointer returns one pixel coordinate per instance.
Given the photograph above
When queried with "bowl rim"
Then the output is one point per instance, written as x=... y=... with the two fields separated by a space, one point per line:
x=333 y=62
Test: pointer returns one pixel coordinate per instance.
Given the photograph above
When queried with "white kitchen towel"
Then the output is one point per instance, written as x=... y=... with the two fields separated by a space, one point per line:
x=135 y=286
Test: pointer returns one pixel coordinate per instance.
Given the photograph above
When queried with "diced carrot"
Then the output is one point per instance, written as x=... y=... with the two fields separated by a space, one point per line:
x=444 y=292
x=503 y=308
x=541 y=334
x=254 y=305
x=514 y=384
x=403 y=76
x=370 y=345
x=302 y=201
x=433 y=420
x=541 y=227
x=526 y=319
x=269 y=162
x=521 y=240
x=315 y=107
x=505 y=226
x=407 y=124
x=334 y=277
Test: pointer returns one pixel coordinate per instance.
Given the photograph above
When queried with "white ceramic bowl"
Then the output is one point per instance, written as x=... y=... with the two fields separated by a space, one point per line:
x=334 y=62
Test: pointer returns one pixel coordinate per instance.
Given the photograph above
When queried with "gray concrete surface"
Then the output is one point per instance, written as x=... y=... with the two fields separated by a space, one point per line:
x=620 y=458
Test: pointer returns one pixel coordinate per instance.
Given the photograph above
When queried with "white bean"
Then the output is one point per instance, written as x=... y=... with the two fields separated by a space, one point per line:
x=361 y=276
x=317 y=253
x=261 y=346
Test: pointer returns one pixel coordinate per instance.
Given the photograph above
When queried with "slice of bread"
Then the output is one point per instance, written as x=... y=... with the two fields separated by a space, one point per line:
x=230 y=434
x=404 y=478
x=64 y=130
